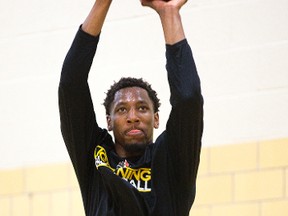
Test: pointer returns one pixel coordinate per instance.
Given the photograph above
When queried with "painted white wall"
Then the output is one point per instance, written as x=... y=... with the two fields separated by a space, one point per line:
x=240 y=48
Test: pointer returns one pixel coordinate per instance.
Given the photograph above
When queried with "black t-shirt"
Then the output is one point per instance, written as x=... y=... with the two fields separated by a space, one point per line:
x=162 y=180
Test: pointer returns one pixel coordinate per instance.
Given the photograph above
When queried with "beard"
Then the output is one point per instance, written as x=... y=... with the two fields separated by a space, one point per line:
x=135 y=148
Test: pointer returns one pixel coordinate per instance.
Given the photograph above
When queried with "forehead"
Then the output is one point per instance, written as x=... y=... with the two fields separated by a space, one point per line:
x=131 y=94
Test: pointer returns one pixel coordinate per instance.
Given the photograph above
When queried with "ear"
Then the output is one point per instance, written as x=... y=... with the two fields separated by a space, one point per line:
x=109 y=124
x=156 y=120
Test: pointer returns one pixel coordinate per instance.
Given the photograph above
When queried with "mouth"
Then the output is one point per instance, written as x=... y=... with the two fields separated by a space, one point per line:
x=134 y=132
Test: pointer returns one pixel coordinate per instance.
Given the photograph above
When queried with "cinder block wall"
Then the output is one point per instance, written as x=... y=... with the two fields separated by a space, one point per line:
x=245 y=179
x=40 y=191
x=249 y=179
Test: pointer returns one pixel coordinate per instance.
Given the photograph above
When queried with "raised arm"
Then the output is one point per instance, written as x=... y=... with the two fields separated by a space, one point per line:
x=78 y=122
x=180 y=144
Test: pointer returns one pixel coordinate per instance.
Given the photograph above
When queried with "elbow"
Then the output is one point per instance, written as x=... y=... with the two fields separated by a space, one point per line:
x=195 y=98
x=190 y=98
x=191 y=92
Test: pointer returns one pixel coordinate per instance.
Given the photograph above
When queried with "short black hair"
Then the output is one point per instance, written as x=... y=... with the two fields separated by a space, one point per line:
x=126 y=82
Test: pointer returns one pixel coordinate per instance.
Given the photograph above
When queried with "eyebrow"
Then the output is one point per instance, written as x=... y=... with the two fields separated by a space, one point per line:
x=139 y=102
x=124 y=102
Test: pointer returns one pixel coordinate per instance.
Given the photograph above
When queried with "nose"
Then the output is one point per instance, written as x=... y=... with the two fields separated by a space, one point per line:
x=132 y=116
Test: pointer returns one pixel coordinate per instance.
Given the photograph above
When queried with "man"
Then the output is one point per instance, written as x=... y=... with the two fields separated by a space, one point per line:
x=131 y=175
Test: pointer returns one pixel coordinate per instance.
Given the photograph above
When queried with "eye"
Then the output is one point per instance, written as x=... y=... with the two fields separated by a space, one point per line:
x=121 y=109
x=143 y=108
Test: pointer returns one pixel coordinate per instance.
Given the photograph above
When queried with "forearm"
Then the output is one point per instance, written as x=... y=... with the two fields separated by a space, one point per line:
x=95 y=19
x=172 y=25
x=183 y=78
x=79 y=59
x=169 y=12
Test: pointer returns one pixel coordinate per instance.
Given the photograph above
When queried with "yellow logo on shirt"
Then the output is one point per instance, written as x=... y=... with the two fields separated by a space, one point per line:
x=140 y=178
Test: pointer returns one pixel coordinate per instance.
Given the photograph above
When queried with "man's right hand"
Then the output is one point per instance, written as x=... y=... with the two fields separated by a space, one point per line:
x=161 y=6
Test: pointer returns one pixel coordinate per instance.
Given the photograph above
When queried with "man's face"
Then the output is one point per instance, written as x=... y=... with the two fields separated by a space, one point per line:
x=132 y=120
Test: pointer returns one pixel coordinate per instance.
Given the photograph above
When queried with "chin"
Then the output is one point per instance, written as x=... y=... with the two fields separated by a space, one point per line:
x=135 y=147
